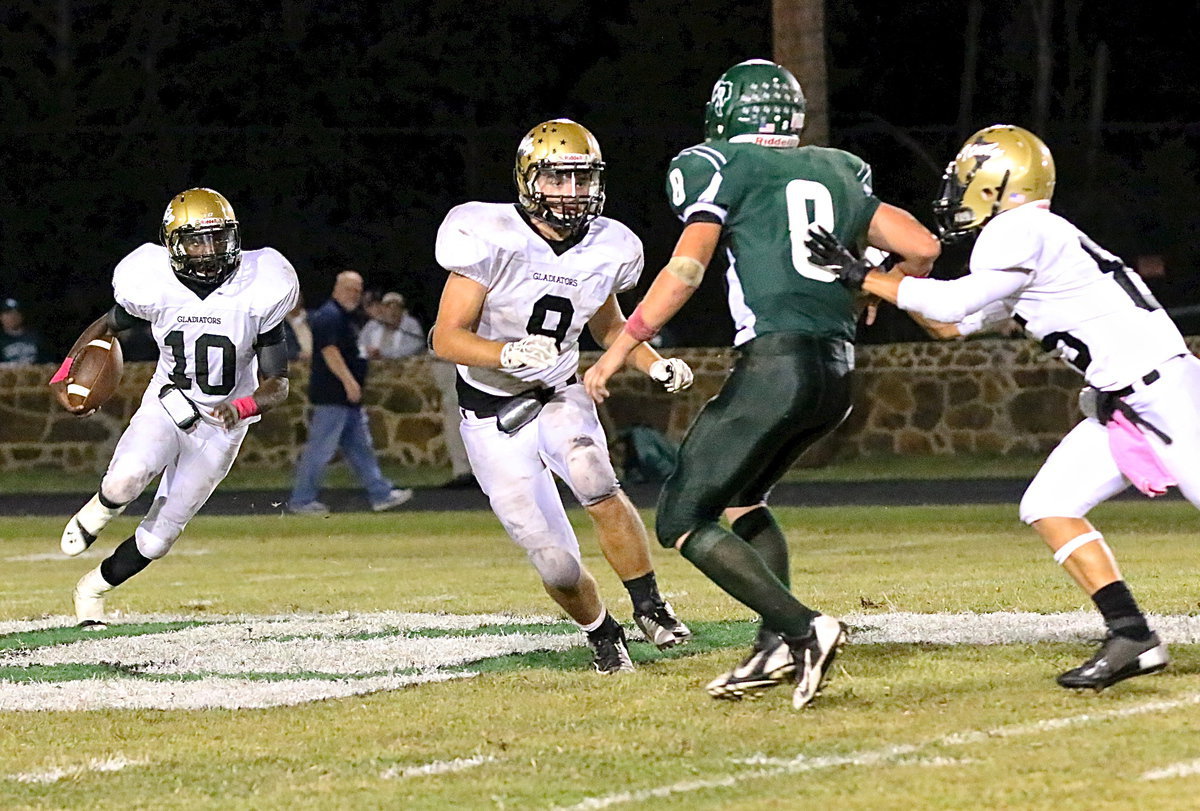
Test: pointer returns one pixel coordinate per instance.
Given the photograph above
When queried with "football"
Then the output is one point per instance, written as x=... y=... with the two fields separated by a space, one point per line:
x=95 y=373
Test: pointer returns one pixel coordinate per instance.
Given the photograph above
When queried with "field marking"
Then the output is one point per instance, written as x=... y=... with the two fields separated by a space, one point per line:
x=437 y=767
x=260 y=661
x=101 y=765
x=1185 y=769
x=93 y=553
x=897 y=754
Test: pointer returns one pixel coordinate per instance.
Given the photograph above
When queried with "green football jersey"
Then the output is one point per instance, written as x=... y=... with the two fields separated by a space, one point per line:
x=767 y=198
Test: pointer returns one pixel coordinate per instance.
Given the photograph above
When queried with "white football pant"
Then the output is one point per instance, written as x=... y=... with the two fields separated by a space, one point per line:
x=1081 y=473
x=515 y=471
x=192 y=464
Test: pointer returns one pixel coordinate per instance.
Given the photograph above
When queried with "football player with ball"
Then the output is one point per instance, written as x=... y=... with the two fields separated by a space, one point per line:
x=216 y=313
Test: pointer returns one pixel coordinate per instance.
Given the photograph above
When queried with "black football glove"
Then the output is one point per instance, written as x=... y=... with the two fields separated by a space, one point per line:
x=827 y=251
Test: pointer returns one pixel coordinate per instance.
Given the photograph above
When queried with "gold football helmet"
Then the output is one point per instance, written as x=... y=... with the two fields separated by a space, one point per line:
x=998 y=168
x=560 y=174
x=200 y=233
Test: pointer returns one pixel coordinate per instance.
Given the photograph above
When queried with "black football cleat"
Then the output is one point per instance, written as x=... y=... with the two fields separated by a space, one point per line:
x=661 y=627
x=769 y=664
x=1119 y=658
x=610 y=653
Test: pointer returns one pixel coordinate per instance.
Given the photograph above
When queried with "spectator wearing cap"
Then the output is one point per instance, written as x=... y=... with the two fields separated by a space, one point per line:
x=393 y=332
x=19 y=344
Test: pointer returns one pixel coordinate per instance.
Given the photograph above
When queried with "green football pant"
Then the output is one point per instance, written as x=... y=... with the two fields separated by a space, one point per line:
x=786 y=391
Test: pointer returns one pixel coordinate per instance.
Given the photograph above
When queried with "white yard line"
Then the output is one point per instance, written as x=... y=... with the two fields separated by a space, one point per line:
x=96 y=554
x=896 y=754
x=112 y=764
x=1185 y=769
x=437 y=767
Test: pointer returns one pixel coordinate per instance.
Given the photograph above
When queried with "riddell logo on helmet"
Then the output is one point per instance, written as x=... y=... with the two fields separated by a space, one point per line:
x=765 y=139
x=204 y=222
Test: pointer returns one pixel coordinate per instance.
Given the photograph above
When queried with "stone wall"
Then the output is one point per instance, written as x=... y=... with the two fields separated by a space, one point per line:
x=981 y=396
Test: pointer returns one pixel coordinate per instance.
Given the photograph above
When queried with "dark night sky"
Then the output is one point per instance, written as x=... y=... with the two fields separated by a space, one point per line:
x=342 y=132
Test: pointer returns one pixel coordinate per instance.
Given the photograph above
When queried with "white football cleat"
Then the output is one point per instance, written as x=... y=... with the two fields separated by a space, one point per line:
x=89 y=600
x=85 y=525
x=814 y=654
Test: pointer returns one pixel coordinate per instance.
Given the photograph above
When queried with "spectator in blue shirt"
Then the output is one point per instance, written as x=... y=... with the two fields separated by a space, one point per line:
x=19 y=345
x=336 y=418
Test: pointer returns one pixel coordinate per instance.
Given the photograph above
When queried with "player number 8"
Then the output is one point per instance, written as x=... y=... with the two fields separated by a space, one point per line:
x=808 y=204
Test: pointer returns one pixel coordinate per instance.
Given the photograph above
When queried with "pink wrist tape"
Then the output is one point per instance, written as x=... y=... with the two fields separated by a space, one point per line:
x=637 y=327
x=63 y=371
x=246 y=407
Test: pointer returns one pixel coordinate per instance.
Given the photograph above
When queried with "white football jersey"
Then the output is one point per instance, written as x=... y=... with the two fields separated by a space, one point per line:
x=206 y=345
x=1078 y=299
x=531 y=289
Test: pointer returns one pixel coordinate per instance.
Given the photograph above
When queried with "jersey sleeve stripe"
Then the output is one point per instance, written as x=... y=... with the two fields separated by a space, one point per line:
x=715 y=210
x=711 y=155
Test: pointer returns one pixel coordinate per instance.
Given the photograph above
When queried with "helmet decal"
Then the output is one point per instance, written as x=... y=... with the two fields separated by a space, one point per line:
x=721 y=94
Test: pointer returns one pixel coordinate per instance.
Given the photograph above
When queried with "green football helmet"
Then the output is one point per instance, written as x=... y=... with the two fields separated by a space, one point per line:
x=752 y=98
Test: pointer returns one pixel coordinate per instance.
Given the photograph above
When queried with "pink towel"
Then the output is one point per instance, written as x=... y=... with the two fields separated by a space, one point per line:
x=1136 y=458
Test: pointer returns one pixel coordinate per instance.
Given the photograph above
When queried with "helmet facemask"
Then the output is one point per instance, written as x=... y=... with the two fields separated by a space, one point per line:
x=205 y=255
x=565 y=194
x=955 y=220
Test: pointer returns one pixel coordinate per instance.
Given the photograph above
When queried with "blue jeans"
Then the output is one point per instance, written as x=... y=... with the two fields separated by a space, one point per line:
x=331 y=427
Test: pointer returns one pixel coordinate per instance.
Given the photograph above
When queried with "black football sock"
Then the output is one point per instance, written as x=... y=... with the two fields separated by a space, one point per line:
x=643 y=591
x=1120 y=611
x=123 y=563
x=759 y=529
x=733 y=565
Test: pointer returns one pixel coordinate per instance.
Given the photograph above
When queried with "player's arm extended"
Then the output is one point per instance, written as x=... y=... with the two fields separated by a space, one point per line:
x=670 y=290
x=606 y=326
x=103 y=328
x=948 y=301
x=896 y=231
x=271 y=350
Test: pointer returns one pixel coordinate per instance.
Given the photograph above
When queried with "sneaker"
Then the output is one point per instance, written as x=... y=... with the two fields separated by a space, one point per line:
x=611 y=654
x=394 y=499
x=814 y=654
x=89 y=600
x=661 y=627
x=1119 y=658
x=314 y=508
x=769 y=664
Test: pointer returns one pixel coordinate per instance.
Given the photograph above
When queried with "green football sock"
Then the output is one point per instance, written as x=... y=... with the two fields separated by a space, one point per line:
x=733 y=565
x=759 y=529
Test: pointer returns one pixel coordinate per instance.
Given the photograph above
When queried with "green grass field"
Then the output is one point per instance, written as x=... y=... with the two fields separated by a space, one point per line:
x=331 y=624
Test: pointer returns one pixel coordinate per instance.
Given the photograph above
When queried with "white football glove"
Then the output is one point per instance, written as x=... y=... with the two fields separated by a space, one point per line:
x=533 y=351
x=673 y=373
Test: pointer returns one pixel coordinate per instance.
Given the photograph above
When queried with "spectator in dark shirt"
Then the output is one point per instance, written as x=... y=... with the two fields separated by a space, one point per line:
x=19 y=344
x=336 y=418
